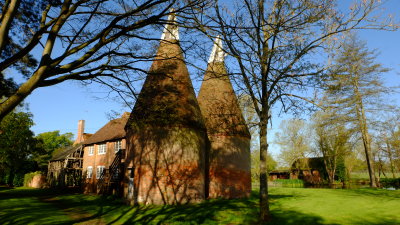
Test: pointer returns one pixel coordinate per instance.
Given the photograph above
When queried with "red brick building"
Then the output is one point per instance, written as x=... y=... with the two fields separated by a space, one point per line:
x=104 y=156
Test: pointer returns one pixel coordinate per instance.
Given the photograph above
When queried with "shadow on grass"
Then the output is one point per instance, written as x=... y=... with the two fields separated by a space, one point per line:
x=13 y=193
x=23 y=206
x=376 y=192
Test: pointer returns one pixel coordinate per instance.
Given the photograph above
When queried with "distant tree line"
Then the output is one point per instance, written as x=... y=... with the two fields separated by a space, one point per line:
x=21 y=151
x=355 y=124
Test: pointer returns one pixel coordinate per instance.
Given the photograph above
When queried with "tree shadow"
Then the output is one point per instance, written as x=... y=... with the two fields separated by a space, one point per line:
x=70 y=208
x=374 y=192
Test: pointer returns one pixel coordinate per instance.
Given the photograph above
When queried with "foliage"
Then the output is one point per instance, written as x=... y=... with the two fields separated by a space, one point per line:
x=29 y=176
x=50 y=142
x=7 y=86
x=387 y=141
x=294 y=140
x=17 y=145
x=355 y=87
x=333 y=143
x=341 y=172
x=290 y=206
x=390 y=182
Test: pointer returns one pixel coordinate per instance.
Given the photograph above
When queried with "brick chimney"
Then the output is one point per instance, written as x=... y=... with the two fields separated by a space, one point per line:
x=81 y=129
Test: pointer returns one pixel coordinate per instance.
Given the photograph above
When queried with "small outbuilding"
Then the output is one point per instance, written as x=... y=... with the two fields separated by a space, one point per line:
x=311 y=170
x=65 y=168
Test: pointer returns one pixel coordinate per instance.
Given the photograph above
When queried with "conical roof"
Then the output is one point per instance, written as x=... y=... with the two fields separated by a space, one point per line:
x=167 y=98
x=217 y=99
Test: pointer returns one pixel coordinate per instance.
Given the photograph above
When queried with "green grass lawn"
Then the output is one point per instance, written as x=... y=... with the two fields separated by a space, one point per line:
x=288 y=206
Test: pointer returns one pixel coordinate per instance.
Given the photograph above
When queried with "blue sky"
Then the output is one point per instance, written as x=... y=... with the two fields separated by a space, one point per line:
x=60 y=107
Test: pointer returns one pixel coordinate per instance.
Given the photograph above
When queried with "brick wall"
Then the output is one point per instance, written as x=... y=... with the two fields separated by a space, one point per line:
x=229 y=171
x=168 y=164
x=90 y=184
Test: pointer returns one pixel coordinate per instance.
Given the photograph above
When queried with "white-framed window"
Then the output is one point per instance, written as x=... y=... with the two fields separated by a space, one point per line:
x=90 y=150
x=89 y=172
x=101 y=149
x=99 y=171
x=118 y=145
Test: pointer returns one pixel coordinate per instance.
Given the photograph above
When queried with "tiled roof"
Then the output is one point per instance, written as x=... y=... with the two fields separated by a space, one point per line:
x=167 y=98
x=66 y=152
x=219 y=104
x=111 y=131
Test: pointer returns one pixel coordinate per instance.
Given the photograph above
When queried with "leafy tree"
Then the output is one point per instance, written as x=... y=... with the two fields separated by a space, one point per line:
x=7 y=86
x=388 y=142
x=356 y=89
x=101 y=40
x=332 y=142
x=17 y=145
x=294 y=140
x=50 y=142
x=273 y=44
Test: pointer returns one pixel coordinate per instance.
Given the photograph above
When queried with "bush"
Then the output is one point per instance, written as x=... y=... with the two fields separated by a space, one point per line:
x=288 y=183
x=29 y=176
x=18 y=180
x=390 y=182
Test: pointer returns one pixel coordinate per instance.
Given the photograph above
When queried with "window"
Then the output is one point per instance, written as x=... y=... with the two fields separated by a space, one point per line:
x=91 y=149
x=118 y=145
x=101 y=149
x=89 y=172
x=99 y=171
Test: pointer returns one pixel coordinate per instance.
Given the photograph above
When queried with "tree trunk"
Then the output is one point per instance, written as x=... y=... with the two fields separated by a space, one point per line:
x=362 y=120
x=6 y=22
x=328 y=169
x=264 y=205
x=389 y=149
x=23 y=91
x=11 y=175
x=368 y=158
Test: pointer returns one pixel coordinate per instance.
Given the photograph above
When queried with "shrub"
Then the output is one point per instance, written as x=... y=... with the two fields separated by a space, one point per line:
x=390 y=182
x=29 y=176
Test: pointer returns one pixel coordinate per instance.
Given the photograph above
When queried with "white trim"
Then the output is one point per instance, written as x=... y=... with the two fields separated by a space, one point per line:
x=117 y=145
x=89 y=174
x=91 y=150
x=102 y=149
x=99 y=170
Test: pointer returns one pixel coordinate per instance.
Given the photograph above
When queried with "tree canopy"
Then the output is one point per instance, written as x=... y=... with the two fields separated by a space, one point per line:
x=51 y=142
x=17 y=145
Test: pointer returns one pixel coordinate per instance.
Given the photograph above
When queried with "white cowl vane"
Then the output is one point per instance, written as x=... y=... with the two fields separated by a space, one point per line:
x=171 y=28
x=217 y=54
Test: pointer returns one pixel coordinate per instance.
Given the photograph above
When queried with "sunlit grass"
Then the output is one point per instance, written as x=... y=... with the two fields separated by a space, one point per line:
x=288 y=206
x=365 y=175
